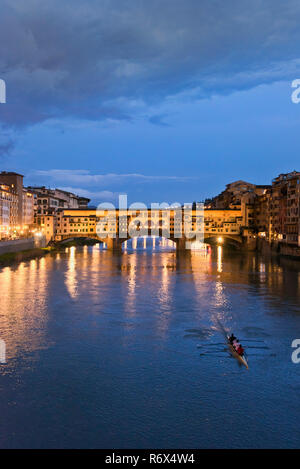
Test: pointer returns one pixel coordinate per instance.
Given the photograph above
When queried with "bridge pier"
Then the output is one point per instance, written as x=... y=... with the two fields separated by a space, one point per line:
x=113 y=244
x=181 y=245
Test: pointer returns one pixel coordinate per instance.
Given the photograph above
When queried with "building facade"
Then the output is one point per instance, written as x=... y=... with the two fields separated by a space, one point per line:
x=270 y=211
x=277 y=211
x=48 y=206
x=15 y=182
x=16 y=205
x=27 y=208
x=8 y=211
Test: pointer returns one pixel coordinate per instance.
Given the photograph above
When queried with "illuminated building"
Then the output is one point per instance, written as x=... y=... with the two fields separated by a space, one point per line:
x=48 y=205
x=17 y=201
x=277 y=211
x=8 y=210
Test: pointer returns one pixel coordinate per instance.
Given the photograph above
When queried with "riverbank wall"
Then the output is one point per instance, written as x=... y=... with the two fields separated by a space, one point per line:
x=21 y=249
x=26 y=249
x=281 y=249
x=20 y=256
x=18 y=245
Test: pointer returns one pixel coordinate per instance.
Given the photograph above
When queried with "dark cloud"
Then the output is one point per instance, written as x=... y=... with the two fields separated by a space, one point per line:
x=6 y=147
x=90 y=59
x=158 y=119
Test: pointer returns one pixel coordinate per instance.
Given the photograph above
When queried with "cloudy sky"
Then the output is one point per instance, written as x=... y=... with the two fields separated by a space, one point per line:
x=165 y=100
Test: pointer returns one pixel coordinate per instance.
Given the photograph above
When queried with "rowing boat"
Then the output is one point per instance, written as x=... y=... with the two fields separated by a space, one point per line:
x=240 y=358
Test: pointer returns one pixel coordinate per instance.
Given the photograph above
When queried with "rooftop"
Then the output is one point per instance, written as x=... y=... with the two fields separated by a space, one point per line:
x=10 y=173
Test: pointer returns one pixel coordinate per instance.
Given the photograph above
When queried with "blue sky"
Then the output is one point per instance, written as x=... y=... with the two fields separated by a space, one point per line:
x=165 y=101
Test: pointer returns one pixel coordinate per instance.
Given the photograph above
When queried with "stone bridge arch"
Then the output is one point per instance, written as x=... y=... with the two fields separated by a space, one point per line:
x=229 y=240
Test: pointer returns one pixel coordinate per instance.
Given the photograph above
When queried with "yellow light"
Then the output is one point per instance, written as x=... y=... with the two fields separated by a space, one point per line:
x=219 y=261
x=220 y=240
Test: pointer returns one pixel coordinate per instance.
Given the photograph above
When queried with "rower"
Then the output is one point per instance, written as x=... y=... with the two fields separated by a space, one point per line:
x=232 y=338
x=240 y=350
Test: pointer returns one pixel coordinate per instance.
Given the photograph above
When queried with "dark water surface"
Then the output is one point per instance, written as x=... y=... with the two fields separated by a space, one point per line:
x=127 y=351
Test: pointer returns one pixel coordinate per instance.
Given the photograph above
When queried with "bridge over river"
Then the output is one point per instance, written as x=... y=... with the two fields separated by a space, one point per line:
x=181 y=225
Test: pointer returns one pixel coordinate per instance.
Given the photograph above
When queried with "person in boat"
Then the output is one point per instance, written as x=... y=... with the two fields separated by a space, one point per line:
x=240 y=350
x=236 y=343
x=232 y=338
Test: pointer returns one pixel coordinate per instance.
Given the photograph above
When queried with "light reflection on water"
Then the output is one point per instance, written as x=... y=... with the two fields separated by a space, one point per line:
x=71 y=280
x=126 y=350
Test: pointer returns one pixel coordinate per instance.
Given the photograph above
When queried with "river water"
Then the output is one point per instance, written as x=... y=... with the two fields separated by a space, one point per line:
x=127 y=351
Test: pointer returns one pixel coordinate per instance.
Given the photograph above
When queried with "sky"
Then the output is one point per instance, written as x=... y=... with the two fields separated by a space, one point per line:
x=166 y=101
